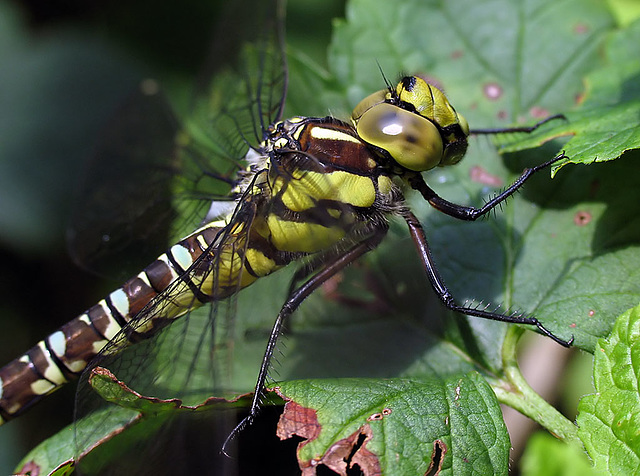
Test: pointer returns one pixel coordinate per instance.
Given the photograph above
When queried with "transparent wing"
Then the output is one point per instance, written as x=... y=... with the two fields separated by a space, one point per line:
x=153 y=175
x=178 y=371
x=190 y=358
x=142 y=190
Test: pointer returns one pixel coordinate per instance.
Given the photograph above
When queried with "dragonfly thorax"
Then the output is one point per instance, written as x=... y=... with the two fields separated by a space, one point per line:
x=324 y=185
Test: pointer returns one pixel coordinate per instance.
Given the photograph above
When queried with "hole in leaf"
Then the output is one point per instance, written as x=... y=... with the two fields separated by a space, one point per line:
x=437 y=457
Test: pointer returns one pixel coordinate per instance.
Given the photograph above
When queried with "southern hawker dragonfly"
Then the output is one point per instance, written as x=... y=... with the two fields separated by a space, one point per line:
x=315 y=190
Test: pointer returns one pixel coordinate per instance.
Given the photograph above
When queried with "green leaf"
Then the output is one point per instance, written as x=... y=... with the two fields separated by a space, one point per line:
x=566 y=250
x=50 y=456
x=606 y=124
x=397 y=426
x=609 y=419
x=133 y=422
x=548 y=456
x=616 y=81
x=597 y=135
x=626 y=11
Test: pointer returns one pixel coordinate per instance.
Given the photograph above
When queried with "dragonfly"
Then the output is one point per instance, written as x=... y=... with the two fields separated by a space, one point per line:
x=317 y=191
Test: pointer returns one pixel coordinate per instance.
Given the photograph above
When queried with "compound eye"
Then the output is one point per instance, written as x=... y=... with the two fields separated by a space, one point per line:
x=411 y=140
x=367 y=103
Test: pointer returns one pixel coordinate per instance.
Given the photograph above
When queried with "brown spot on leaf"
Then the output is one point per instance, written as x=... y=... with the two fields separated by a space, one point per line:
x=437 y=457
x=480 y=175
x=331 y=285
x=582 y=218
x=375 y=297
x=492 y=91
x=149 y=87
x=379 y=416
x=580 y=28
x=456 y=54
x=342 y=456
x=539 y=112
x=30 y=468
x=298 y=420
x=348 y=452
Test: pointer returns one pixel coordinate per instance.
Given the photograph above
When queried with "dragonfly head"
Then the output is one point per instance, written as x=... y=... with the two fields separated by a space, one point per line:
x=415 y=124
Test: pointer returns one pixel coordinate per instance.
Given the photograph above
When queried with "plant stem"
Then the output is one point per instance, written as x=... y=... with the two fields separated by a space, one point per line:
x=513 y=390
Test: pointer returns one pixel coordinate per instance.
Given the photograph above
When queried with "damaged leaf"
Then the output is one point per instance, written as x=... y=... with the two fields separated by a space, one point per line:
x=396 y=426
x=134 y=420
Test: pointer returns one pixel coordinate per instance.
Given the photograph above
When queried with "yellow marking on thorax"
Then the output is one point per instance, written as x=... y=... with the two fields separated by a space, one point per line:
x=305 y=189
x=280 y=143
x=202 y=242
x=260 y=264
x=332 y=134
x=385 y=185
x=302 y=237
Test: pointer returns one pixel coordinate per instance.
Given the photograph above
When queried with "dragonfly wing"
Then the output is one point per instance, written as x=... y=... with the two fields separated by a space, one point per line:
x=177 y=366
x=190 y=358
x=141 y=190
x=154 y=175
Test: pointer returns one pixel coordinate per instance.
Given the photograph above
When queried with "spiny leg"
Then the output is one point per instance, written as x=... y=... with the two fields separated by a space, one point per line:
x=472 y=213
x=294 y=300
x=509 y=130
x=420 y=240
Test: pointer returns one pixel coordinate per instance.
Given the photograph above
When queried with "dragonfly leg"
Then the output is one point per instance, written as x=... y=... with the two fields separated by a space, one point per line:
x=307 y=269
x=472 y=213
x=508 y=130
x=295 y=298
x=420 y=240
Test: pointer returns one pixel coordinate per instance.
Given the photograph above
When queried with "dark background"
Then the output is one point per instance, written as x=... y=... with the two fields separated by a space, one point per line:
x=65 y=66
